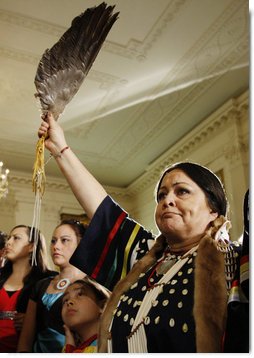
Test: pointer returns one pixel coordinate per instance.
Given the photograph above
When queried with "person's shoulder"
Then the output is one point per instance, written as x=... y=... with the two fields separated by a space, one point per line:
x=42 y=284
x=50 y=273
x=44 y=281
x=45 y=275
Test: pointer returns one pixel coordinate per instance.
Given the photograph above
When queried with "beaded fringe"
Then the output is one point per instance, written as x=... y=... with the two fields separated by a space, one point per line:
x=38 y=181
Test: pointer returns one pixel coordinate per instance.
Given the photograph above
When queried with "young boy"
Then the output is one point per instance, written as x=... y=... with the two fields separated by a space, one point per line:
x=83 y=303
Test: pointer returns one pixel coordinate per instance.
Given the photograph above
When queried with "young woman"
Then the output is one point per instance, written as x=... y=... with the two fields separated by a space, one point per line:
x=42 y=330
x=174 y=299
x=83 y=303
x=17 y=277
x=2 y=247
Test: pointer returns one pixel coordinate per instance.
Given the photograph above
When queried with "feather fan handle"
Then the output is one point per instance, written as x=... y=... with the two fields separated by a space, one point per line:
x=60 y=73
x=39 y=179
x=63 y=68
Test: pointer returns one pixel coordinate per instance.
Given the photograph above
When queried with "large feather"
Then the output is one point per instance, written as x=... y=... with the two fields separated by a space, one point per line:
x=63 y=68
x=60 y=73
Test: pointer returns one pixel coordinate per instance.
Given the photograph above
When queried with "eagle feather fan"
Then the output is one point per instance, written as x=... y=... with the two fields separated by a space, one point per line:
x=60 y=73
x=63 y=68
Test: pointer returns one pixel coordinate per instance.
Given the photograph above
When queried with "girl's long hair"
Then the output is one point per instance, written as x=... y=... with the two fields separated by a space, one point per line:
x=41 y=257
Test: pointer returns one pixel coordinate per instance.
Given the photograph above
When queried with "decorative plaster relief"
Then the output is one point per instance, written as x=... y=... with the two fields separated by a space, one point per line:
x=31 y=24
x=18 y=179
x=133 y=50
x=210 y=128
x=179 y=101
x=235 y=150
x=20 y=56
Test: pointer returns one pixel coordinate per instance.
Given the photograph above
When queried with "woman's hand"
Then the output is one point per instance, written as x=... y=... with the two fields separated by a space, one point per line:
x=88 y=191
x=69 y=337
x=55 y=139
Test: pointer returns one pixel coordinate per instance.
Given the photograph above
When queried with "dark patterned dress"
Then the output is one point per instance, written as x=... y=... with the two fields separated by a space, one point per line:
x=170 y=319
x=112 y=243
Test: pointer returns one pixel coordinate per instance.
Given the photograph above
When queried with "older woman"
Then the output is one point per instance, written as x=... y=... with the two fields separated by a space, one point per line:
x=174 y=299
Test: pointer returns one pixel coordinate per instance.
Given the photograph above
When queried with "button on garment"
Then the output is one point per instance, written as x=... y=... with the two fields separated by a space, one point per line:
x=169 y=321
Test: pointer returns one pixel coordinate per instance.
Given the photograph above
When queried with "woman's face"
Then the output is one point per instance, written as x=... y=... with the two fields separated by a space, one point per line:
x=17 y=244
x=63 y=243
x=79 y=307
x=182 y=212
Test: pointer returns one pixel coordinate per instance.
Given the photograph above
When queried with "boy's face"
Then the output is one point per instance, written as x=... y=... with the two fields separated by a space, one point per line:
x=79 y=307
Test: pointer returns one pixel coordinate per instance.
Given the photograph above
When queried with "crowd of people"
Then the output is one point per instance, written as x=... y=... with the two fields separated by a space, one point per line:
x=119 y=289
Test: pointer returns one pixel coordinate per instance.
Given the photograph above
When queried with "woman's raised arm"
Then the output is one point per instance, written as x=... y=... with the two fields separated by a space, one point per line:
x=88 y=191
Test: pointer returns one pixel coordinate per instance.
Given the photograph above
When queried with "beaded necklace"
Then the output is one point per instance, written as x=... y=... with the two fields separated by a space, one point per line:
x=164 y=264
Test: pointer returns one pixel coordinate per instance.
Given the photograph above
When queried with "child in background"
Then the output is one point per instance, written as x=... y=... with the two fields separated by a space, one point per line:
x=83 y=303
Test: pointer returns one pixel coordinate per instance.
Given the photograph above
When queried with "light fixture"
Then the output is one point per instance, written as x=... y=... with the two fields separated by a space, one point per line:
x=3 y=181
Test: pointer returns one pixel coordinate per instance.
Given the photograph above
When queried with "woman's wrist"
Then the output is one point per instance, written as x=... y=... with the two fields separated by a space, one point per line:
x=60 y=153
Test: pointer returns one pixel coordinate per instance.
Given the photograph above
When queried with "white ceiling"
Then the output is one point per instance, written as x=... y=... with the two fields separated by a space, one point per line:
x=164 y=67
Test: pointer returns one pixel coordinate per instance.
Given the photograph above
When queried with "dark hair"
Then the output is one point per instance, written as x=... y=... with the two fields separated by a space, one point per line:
x=41 y=251
x=76 y=225
x=101 y=293
x=3 y=237
x=206 y=180
x=36 y=273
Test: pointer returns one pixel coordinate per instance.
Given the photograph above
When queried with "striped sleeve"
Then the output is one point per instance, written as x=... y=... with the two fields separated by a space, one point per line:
x=111 y=241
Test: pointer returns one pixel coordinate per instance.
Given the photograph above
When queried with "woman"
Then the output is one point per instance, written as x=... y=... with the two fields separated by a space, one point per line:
x=156 y=307
x=17 y=278
x=83 y=303
x=2 y=247
x=43 y=331
x=237 y=337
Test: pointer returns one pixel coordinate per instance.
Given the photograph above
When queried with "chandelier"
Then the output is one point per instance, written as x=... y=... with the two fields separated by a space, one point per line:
x=3 y=181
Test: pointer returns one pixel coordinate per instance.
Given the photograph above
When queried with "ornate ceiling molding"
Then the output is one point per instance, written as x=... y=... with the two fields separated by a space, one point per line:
x=212 y=42
x=17 y=179
x=234 y=151
x=208 y=47
x=20 y=56
x=22 y=179
x=31 y=24
x=134 y=49
x=137 y=50
x=229 y=114
x=105 y=80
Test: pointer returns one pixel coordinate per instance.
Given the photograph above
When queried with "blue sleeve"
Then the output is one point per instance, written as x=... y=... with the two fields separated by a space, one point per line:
x=111 y=241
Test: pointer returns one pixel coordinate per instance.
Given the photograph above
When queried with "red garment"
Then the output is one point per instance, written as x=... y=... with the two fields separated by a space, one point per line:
x=89 y=346
x=8 y=334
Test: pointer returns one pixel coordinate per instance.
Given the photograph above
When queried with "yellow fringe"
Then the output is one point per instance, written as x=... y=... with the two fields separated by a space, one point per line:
x=39 y=177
